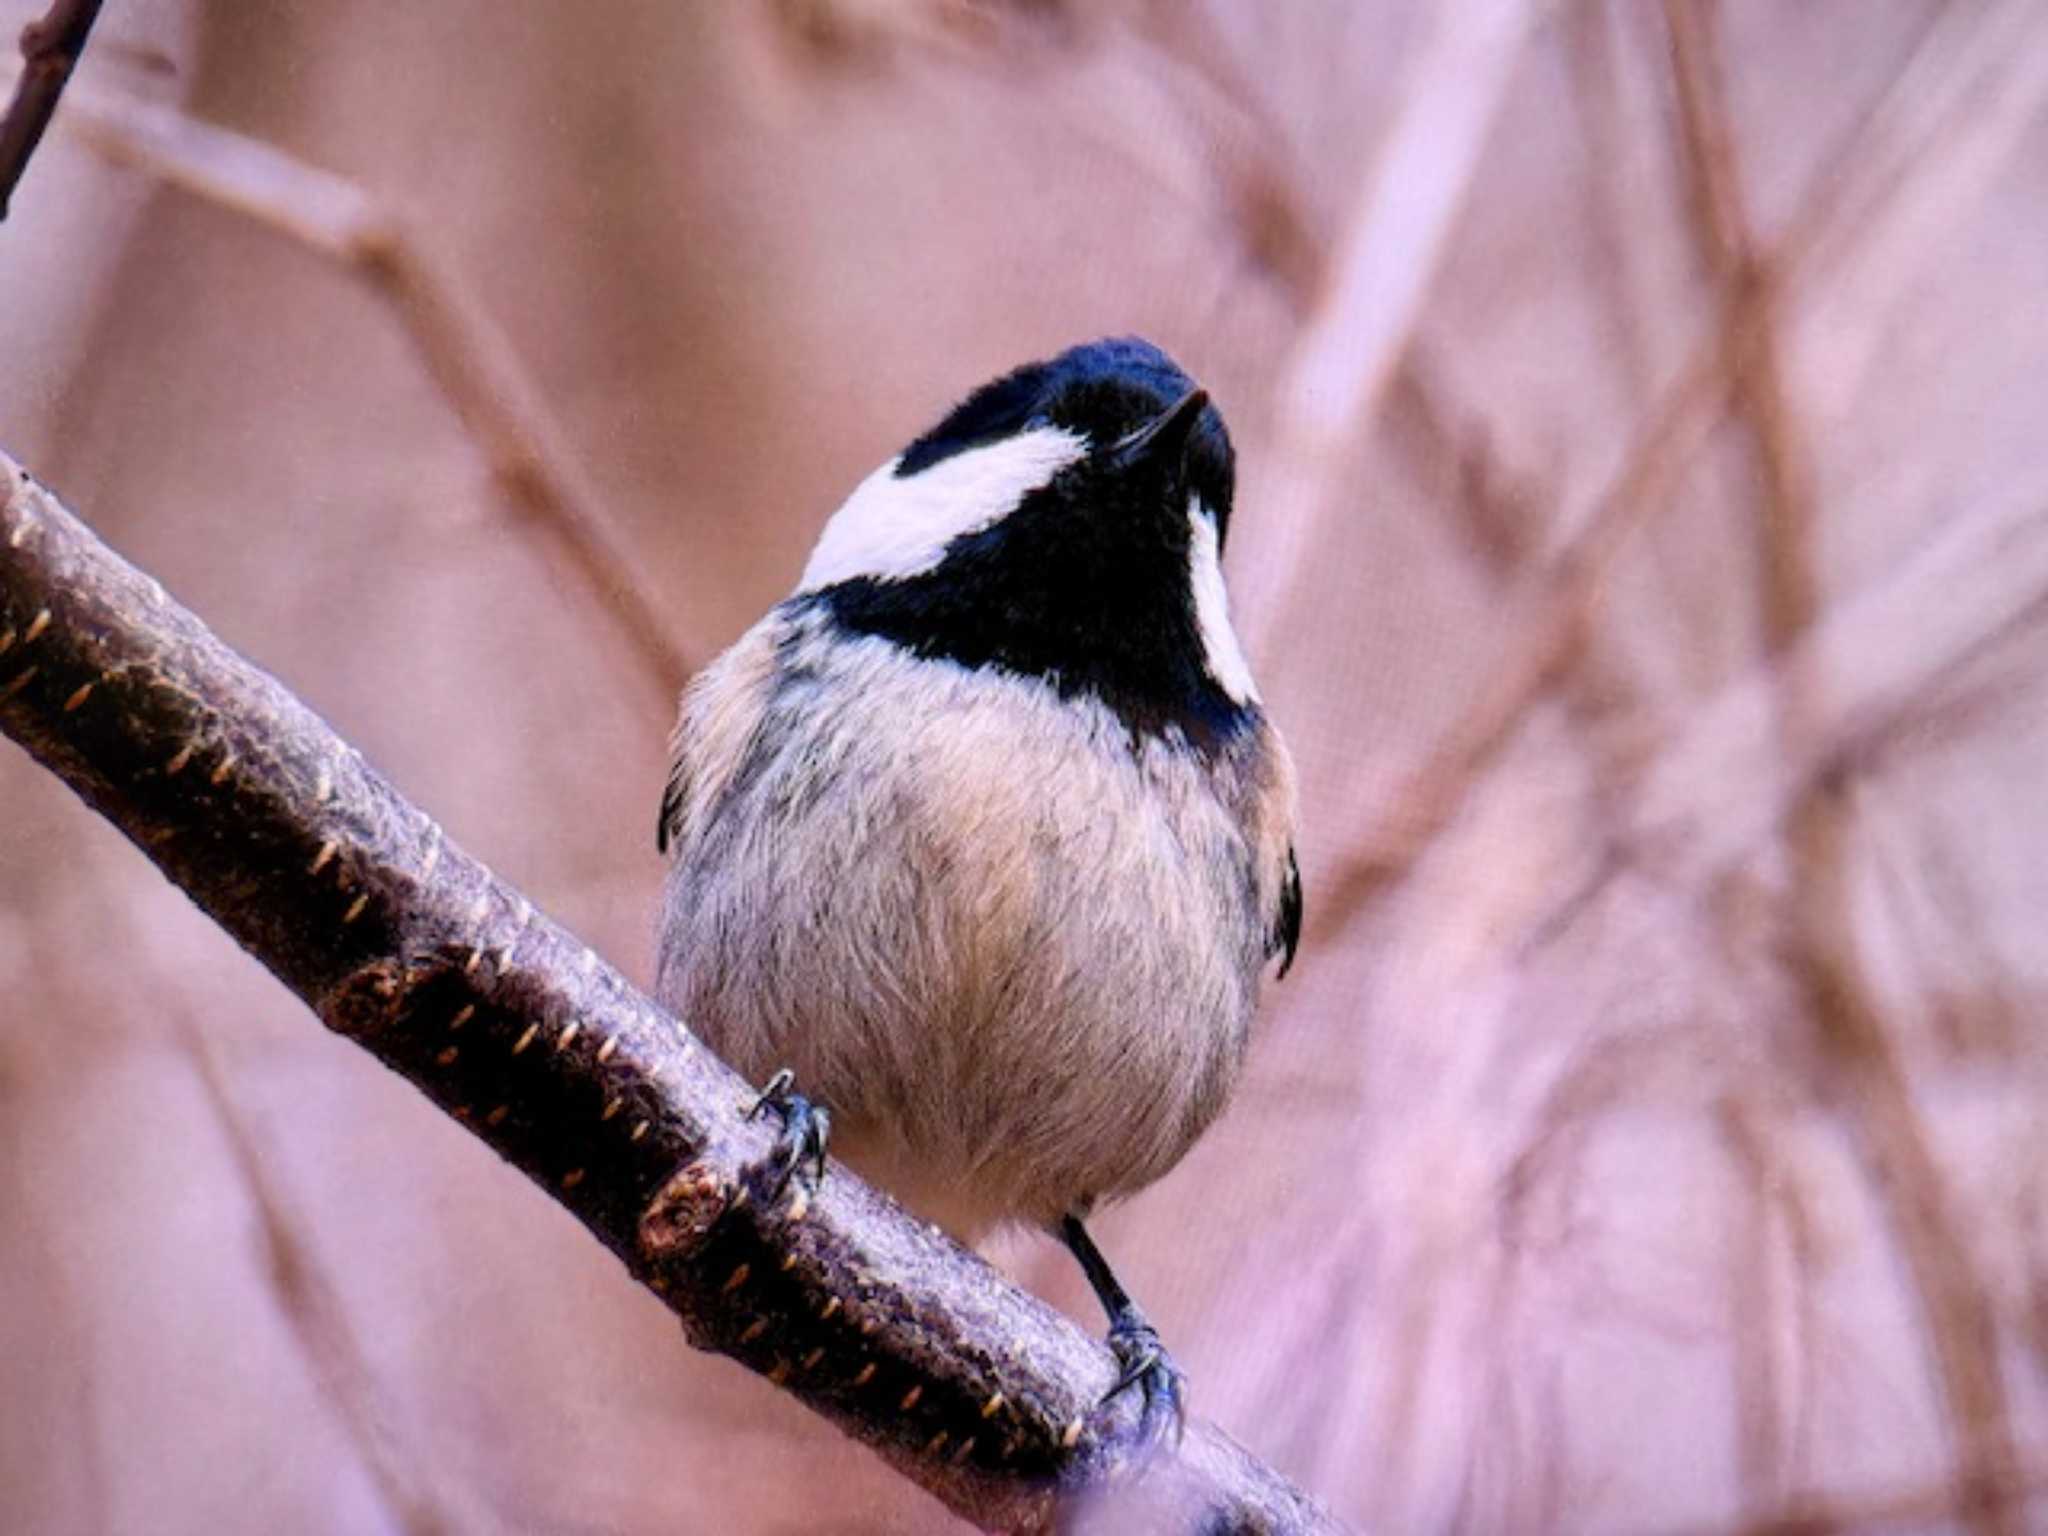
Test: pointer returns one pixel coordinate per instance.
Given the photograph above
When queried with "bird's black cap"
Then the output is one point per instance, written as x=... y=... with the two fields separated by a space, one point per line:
x=1109 y=392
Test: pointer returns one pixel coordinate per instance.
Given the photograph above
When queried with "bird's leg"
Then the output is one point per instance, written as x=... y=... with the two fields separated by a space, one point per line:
x=806 y=1127
x=1134 y=1341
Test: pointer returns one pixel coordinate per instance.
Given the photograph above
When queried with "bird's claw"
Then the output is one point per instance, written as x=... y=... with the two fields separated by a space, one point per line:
x=1146 y=1365
x=806 y=1128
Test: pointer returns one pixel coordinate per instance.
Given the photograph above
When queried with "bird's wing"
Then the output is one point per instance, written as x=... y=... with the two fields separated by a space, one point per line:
x=1287 y=925
x=1272 y=820
x=669 y=825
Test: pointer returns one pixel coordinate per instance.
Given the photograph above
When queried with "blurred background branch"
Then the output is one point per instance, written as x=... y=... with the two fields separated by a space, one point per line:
x=463 y=348
x=1870 y=1079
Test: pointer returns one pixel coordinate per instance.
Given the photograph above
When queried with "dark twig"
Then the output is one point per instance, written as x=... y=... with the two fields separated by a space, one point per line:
x=403 y=943
x=49 y=52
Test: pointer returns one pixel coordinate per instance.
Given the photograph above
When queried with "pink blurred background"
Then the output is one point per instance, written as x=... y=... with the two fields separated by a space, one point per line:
x=1642 y=538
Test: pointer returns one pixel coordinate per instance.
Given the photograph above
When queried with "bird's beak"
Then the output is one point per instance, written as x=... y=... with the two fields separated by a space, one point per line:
x=1165 y=436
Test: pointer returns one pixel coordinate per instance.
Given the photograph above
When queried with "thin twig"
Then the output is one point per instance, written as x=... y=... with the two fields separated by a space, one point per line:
x=405 y=944
x=464 y=349
x=1904 y=1173
x=50 y=50
x=1753 y=1312
x=1743 y=272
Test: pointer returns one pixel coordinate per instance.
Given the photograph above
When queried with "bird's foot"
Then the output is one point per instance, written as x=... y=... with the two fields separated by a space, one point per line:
x=1142 y=1362
x=1148 y=1367
x=799 y=1153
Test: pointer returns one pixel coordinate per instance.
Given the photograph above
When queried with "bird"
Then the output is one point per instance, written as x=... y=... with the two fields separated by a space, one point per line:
x=983 y=838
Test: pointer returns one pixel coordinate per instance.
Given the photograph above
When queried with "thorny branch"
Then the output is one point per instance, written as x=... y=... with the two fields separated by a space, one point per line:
x=50 y=49
x=408 y=946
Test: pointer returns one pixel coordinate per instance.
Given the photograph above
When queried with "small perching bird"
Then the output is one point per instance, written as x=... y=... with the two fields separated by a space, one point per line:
x=983 y=833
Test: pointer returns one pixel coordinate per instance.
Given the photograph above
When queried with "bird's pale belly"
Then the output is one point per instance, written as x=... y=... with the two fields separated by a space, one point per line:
x=1015 y=956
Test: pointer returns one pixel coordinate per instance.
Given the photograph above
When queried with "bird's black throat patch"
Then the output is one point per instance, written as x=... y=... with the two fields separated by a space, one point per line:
x=1090 y=597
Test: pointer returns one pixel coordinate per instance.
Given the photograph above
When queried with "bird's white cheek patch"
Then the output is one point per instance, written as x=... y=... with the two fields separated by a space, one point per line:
x=1225 y=658
x=890 y=528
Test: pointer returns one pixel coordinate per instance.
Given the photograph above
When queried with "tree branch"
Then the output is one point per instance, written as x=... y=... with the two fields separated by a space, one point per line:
x=403 y=943
x=49 y=52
